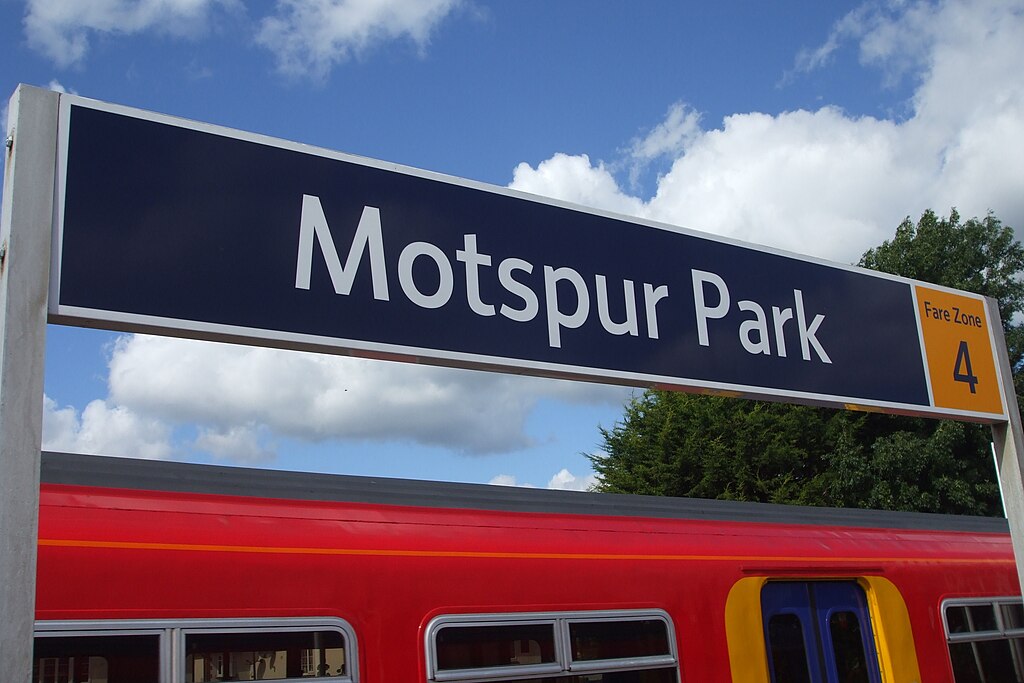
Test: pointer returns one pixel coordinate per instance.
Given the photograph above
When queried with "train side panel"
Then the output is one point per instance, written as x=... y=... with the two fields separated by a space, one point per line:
x=388 y=570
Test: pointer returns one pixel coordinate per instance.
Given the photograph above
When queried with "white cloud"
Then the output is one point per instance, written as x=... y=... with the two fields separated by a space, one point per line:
x=563 y=481
x=238 y=443
x=898 y=37
x=575 y=179
x=57 y=86
x=672 y=136
x=507 y=480
x=567 y=481
x=102 y=429
x=309 y=37
x=798 y=181
x=318 y=397
x=830 y=184
x=62 y=29
x=810 y=59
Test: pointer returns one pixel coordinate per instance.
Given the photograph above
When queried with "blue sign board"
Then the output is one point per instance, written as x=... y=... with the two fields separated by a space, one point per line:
x=182 y=228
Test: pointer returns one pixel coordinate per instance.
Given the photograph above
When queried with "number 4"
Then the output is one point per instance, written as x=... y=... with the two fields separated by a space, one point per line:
x=963 y=362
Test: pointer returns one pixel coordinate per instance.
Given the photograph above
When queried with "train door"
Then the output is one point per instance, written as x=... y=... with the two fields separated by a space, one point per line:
x=818 y=632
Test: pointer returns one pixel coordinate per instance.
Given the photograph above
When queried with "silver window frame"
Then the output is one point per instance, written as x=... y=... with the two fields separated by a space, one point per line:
x=172 y=633
x=485 y=673
x=650 y=661
x=974 y=637
x=1001 y=632
x=564 y=663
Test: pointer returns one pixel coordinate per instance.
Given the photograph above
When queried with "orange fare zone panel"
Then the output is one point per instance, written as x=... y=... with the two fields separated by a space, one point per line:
x=961 y=364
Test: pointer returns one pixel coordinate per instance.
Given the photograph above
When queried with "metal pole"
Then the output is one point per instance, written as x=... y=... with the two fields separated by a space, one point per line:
x=25 y=227
x=995 y=462
x=1008 y=443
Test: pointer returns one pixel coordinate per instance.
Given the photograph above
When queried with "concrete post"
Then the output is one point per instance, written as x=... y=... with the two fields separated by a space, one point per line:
x=1008 y=443
x=25 y=229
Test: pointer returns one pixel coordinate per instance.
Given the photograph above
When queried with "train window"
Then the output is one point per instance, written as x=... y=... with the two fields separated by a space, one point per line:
x=567 y=647
x=1013 y=615
x=848 y=646
x=596 y=640
x=96 y=659
x=469 y=646
x=986 y=639
x=195 y=651
x=971 y=618
x=788 y=650
x=264 y=656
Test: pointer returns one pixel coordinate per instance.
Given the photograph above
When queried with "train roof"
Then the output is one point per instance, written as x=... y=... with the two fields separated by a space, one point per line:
x=176 y=477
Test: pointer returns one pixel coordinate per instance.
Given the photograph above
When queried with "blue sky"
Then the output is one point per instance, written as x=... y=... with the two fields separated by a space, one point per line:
x=808 y=126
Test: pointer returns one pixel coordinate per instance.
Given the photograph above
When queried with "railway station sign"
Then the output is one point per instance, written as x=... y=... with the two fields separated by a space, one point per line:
x=181 y=228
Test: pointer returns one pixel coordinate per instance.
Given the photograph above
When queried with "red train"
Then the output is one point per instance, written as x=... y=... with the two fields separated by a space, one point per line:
x=154 y=572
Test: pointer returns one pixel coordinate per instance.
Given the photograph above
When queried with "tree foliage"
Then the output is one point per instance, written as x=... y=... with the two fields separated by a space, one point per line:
x=679 y=444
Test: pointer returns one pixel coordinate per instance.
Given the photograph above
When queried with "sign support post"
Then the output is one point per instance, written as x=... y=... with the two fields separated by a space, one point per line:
x=1008 y=440
x=25 y=233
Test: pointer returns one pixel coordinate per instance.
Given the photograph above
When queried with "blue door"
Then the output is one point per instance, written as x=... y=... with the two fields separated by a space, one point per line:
x=818 y=632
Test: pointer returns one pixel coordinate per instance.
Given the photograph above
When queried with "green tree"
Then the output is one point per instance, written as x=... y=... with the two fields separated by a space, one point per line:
x=677 y=444
x=713 y=447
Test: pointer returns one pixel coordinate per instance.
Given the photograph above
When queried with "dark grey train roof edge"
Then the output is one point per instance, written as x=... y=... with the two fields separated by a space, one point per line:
x=152 y=475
